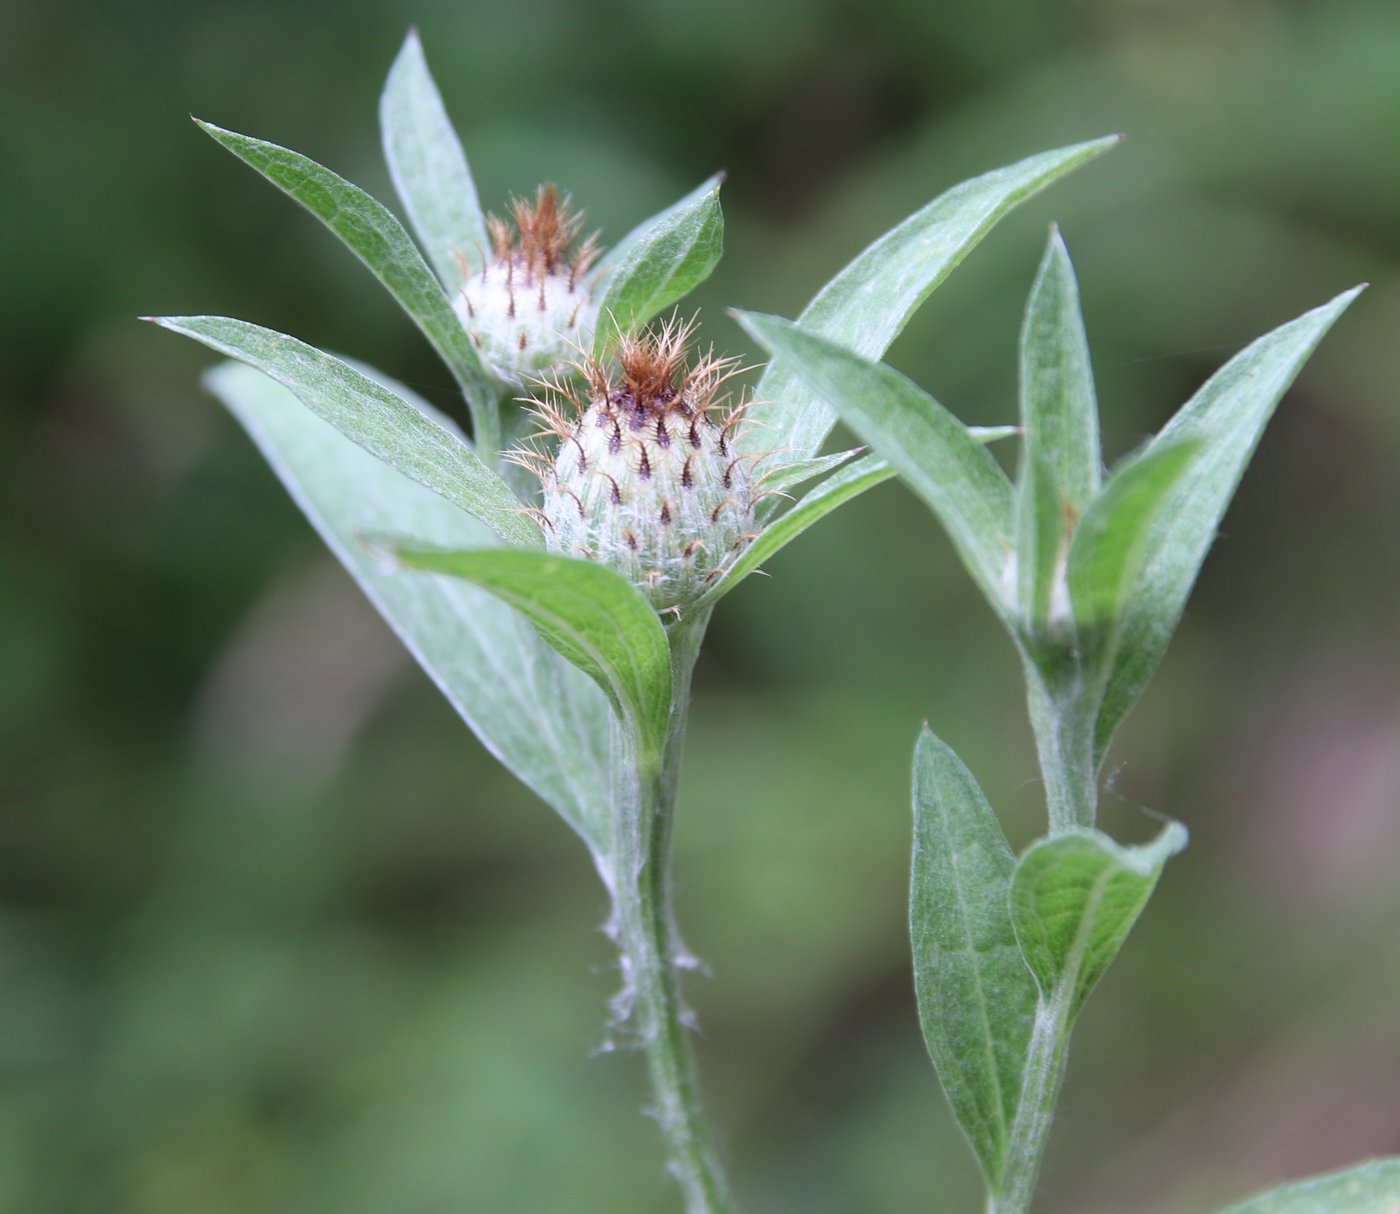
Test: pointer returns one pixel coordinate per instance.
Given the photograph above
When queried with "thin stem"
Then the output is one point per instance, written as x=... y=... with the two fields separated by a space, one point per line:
x=1063 y=714
x=647 y=940
x=1040 y=1089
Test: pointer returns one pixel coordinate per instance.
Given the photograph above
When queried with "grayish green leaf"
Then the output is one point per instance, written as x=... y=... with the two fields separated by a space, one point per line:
x=379 y=240
x=1227 y=417
x=976 y=996
x=547 y=722
x=661 y=263
x=867 y=304
x=1075 y=897
x=1106 y=554
x=372 y=416
x=934 y=452
x=591 y=615
x=837 y=489
x=993 y=434
x=429 y=168
x=1060 y=458
x=1367 y=1188
x=784 y=475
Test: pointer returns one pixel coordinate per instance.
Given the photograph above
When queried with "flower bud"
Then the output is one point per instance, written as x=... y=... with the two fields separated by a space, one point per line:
x=530 y=308
x=646 y=477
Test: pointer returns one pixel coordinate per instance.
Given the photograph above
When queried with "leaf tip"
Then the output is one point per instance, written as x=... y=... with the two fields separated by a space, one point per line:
x=382 y=550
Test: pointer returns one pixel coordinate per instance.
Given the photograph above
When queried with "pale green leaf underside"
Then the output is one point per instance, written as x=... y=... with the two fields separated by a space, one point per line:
x=935 y=453
x=546 y=722
x=595 y=618
x=1227 y=417
x=835 y=491
x=1060 y=466
x=662 y=263
x=976 y=997
x=1075 y=897
x=371 y=416
x=372 y=233
x=1367 y=1188
x=429 y=168
x=868 y=303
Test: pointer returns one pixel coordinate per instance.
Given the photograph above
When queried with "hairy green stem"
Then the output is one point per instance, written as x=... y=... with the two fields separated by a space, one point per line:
x=1063 y=713
x=646 y=936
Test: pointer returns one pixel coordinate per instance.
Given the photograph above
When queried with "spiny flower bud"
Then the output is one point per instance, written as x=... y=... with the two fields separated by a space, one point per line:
x=530 y=307
x=646 y=477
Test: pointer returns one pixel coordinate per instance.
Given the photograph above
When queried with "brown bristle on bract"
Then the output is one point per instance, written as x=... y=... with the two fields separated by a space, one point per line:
x=541 y=235
x=651 y=378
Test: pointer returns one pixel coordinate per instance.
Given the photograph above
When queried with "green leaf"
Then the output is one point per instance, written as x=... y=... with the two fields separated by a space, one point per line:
x=660 y=263
x=976 y=997
x=934 y=452
x=867 y=304
x=1227 y=417
x=993 y=434
x=1367 y=1188
x=429 y=168
x=836 y=490
x=590 y=614
x=1075 y=897
x=547 y=722
x=368 y=414
x=784 y=475
x=379 y=240
x=1060 y=459
x=1106 y=553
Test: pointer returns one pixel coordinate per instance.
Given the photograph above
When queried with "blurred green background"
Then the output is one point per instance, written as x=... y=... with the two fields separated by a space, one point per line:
x=277 y=935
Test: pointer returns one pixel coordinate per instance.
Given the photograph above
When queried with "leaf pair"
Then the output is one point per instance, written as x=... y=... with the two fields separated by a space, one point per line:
x=1000 y=942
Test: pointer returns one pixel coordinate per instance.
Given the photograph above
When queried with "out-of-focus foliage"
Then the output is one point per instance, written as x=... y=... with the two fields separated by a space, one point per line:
x=277 y=934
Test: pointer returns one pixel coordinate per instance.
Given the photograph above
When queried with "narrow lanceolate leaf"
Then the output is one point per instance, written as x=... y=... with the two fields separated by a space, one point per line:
x=835 y=491
x=661 y=263
x=976 y=996
x=546 y=721
x=1367 y=1188
x=379 y=240
x=784 y=474
x=867 y=304
x=371 y=416
x=1074 y=898
x=597 y=620
x=429 y=168
x=1227 y=417
x=781 y=475
x=1060 y=458
x=1106 y=554
x=934 y=452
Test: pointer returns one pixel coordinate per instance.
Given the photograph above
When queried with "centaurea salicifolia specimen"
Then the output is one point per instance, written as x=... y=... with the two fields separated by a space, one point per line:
x=565 y=611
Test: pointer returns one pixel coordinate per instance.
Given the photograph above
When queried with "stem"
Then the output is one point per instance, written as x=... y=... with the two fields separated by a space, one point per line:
x=643 y=809
x=1040 y=1089
x=1063 y=713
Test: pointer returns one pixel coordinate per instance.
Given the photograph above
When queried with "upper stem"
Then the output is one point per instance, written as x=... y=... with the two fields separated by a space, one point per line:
x=644 y=805
x=1063 y=712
